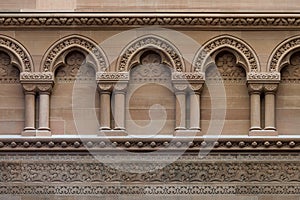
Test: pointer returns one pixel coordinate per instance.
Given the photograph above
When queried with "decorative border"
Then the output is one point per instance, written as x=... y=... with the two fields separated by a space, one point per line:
x=74 y=41
x=199 y=20
x=222 y=41
x=169 y=190
x=140 y=144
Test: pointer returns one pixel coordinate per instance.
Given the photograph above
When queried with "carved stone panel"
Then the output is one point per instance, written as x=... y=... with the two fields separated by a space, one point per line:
x=75 y=68
x=8 y=73
x=291 y=73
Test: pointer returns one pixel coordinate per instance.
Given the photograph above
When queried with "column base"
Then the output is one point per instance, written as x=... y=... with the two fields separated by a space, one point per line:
x=112 y=133
x=43 y=132
x=189 y=132
x=29 y=132
x=263 y=133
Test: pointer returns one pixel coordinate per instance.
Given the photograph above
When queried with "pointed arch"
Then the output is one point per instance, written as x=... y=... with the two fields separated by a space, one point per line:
x=69 y=43
x=227 y=42
x=20 y=56
x=150 y=42
x=281 y=54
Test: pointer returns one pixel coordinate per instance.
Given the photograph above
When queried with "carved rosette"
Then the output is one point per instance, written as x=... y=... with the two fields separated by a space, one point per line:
x=226 y=41
x=164 y=45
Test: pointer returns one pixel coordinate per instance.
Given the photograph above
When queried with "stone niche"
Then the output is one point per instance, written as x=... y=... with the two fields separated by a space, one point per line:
x=11 y=97
x=150 y=98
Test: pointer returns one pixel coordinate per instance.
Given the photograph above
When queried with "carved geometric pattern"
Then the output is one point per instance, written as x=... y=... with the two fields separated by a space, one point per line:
x=226 y=68
x=291 y=73
x=226 y=41
x=74 y=41
x=75 y=68
x=144 y=42
x=134 y=20
x=8 y=73
x=79 y=174
x=281 y=51
x=19 y=51
x=150 y=70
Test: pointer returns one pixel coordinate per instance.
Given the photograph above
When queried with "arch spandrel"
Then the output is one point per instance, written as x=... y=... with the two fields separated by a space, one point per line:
x=150 y=42
x=226 y=42
x=77 y=42
x=18 y=53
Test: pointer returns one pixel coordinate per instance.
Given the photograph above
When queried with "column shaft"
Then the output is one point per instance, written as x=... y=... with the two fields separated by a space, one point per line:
x=194 y=111
x=119 y=112
x=270 y=111
x=29 y=111
x=105 y=110
x=180 y=111
x=44 y=112
x=255 y=111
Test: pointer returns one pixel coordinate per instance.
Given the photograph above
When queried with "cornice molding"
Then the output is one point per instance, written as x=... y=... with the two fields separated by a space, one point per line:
x=200 y=20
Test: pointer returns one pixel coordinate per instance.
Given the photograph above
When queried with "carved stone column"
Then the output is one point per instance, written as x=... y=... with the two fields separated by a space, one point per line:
x=44 y=91
x=105 y=105
x=194 y=94
x=270 y=91
x=180 y=93
x=255 y=106
x=119 y=105
x=29 y=92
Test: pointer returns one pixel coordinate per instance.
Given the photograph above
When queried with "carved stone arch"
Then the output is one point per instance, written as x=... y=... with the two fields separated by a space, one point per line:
x=281 y=54
x=53 y=54
x=61 y=59
x=19 y=55
x=152 y=42
x=240 y=47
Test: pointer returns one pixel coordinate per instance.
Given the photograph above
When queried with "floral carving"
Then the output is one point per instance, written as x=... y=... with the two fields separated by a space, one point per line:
x=226 y=41
x=112 y=76
x=69 y=42
x=291 y=72
x=36 y=76
x=18 y=50
x=169 y=49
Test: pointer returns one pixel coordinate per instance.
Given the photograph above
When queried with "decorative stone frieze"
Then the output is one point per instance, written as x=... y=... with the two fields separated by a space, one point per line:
x=112 y=76
x=200 y=20
x=226 y=41
x=263 y=77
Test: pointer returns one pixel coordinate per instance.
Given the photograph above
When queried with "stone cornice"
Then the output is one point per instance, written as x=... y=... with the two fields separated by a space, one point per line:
x=109 y=20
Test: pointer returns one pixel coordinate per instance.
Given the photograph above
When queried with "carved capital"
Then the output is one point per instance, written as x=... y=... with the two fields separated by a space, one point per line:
x=105 y=87
x=270 y=88
x=180 y=87
x=195 y=87
x=44 y=87
x=265 y=77
x=112 y=76
x=29 y=88
x=120 y=87
x=255 y=88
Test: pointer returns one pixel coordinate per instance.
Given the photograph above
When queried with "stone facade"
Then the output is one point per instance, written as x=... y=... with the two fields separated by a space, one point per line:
x=149 y=104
